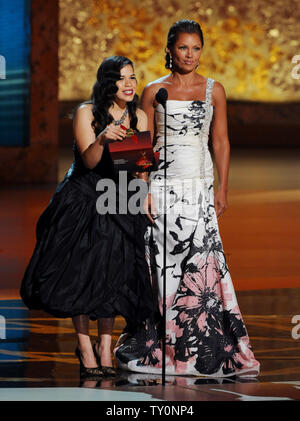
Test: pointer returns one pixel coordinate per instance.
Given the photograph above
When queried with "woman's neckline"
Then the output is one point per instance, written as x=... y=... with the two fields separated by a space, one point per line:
x=193 y=100
x=187 y=100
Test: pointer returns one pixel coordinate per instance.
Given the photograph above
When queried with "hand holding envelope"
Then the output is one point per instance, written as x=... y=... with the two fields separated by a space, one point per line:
x=134 y=153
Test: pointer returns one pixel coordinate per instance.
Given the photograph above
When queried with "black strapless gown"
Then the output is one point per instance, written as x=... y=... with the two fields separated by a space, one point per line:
x=85 y=262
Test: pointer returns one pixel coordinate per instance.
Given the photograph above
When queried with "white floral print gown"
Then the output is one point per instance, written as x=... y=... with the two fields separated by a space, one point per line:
x=205 y=332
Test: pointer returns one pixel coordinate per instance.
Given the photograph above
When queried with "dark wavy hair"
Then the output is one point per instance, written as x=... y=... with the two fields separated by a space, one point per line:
x=104 y=92
x=181 y=26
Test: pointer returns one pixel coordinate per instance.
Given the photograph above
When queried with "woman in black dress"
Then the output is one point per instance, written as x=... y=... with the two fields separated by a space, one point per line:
x=86 y=264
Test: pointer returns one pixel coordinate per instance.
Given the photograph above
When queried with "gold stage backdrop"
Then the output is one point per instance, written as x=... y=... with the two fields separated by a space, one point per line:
x=249 y=45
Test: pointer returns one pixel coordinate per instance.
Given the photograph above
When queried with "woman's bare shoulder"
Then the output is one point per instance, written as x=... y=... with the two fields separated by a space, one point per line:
x=218 y=85
x=152 y=87
x=218 y=91
x=86 y=106
x=83 y=112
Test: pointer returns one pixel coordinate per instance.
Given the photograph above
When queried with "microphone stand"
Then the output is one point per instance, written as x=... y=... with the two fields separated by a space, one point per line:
x=161 y=97
x=165 y=251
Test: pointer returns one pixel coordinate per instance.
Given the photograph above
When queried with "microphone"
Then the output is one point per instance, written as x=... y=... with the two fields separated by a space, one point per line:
x=162 y=96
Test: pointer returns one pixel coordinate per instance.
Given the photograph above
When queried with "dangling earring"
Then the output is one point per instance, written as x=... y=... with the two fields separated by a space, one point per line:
x=171 y=63
x=197 y=66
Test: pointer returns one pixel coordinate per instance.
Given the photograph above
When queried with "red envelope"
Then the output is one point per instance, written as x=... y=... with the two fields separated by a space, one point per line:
x=134 y=153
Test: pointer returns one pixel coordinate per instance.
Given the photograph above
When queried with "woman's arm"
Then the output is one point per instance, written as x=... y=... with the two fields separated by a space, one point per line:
x=90 y=146
x=221 y=146
x=148 y=125
x=147 y=99
x=142 y=123
x=142 y=126
x=147 y=104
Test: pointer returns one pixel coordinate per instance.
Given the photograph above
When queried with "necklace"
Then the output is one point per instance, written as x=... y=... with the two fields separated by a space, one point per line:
x=118 y=122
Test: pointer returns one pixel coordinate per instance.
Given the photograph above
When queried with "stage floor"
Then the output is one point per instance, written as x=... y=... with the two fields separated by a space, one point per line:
x=260 y=233
x=38 y=352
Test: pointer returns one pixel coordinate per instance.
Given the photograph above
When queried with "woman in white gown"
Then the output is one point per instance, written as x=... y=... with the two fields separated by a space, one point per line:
x=205 y=333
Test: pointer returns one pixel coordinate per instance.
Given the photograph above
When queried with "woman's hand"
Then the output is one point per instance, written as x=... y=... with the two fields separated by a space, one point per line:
x=149 y=207
x=112 y=132
x=220 y=202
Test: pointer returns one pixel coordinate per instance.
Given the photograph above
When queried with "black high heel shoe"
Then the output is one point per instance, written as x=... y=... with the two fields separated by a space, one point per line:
x=107 y=371
x=88 y=373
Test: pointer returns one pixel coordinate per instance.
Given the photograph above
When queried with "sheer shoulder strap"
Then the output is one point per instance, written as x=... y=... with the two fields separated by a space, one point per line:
x=209 y=88
x=208 y=108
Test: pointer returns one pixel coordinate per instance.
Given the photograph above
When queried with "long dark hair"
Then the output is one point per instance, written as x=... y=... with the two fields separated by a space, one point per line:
x=182 y=26
x=104 y=92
